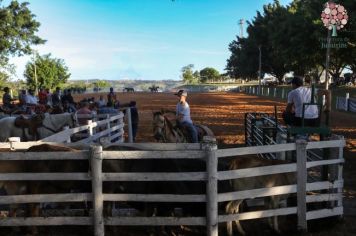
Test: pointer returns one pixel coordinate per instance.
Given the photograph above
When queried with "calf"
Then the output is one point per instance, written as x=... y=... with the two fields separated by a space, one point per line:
x=265 y=181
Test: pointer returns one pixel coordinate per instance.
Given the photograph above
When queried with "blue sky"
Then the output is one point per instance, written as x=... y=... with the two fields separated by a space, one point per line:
x=138 y=39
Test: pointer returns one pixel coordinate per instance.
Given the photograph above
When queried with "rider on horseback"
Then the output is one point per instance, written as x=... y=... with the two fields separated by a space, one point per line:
x=7 y=99
x=183 y=115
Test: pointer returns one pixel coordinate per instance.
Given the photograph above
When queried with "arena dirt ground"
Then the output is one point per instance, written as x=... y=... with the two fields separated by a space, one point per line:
x=224 y=114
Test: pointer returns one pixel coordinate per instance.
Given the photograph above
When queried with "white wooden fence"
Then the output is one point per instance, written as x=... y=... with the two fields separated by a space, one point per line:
x=211 y=176
x=275 y=92
x=102 y=125
x=346 y=103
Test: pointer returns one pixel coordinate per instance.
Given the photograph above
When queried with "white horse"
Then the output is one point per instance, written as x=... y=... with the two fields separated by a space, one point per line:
x=51 y=124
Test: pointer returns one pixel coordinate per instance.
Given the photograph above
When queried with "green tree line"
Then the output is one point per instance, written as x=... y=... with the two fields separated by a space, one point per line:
x=290 y=39
x=206 y=75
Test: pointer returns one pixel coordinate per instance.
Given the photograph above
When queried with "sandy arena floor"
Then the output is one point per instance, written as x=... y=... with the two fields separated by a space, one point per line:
x=224 y=114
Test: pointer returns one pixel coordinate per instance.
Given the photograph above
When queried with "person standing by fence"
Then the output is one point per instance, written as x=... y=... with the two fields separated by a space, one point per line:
x=22 y=98
x=293 y=114
x=101 y=102
x=56 y=97
x=42 y=96
x=84 y=110
x=49 y=97
x=111 y=98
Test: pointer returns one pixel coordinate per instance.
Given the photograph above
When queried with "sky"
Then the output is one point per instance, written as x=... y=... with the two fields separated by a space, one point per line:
x=138 y=39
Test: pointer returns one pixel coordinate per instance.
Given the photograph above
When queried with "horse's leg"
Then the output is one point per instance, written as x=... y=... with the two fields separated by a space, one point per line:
x=273 y=221
x=275 y=203
x=238 y=225
x=229 y=210
x=233 y=208
x=34 y=208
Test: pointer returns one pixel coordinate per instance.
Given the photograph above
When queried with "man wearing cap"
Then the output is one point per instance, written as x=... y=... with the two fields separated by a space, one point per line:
x=183 y=115
x=294 y=110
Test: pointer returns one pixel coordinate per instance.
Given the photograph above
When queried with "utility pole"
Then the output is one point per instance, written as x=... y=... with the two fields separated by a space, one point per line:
x=327 y=60
x=241 y=23
x=35 y=69
x=259 y=69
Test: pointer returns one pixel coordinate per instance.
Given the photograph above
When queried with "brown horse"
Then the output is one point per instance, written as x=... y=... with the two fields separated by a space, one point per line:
x=164 y=131
x=266 y=181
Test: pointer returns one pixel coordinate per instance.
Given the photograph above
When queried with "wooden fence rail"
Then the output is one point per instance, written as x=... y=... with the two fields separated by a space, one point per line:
x=109 y=126
x=211 y=177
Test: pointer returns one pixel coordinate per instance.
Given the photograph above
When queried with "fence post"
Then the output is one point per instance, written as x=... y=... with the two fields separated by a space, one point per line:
x=108 y=125
x=90 y=129
x=129 y=124
x=275 y=92
x=340 y=170
x=68 y=140
x=334 y=172
x=301 y=184
x=282 y=93
x=209 y=145
x=268 y=91
x=97 y=186
x=347 y=101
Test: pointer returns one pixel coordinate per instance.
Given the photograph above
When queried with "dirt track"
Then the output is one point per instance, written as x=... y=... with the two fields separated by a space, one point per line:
x=224 y=114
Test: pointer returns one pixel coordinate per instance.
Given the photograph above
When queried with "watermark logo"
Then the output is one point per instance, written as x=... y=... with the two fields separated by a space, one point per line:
x=335 y=42
x=334 y=17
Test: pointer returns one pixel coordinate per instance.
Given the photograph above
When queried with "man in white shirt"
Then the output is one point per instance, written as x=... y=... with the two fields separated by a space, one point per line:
x=101 y=102
x=294 y=110
x=183 y=115
x=30 y=98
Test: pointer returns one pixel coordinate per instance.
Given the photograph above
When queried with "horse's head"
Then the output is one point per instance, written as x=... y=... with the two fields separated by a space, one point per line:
x=158 y=125
x=57 y=122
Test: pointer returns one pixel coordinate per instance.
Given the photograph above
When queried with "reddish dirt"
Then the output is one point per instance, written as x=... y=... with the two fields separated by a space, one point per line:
x=224 y=114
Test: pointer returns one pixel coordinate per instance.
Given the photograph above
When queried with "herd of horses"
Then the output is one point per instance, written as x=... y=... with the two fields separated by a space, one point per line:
x=164 y=130
x=153 y=89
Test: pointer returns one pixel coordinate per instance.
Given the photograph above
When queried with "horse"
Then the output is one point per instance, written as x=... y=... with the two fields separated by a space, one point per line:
x=164 y=131
x=51 y=124
x=127 y=89
x=154 y=89
x=266 y=181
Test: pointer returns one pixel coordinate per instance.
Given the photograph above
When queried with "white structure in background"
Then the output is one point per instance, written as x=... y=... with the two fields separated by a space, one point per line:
x=268 y=78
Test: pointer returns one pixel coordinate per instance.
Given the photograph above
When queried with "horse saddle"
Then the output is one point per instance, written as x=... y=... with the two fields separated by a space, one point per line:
x=31 y=123
x=185 y=131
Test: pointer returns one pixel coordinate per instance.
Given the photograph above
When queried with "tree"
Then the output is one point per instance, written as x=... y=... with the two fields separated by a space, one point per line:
x=290 y=39
x=209 y=74
x=262 y=31
x=18 y=29
x=101 y=84
x=188 y=76
x=196 y=75
x=51 y=72
x=6 y=71
x=243 y=62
